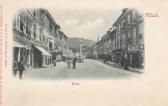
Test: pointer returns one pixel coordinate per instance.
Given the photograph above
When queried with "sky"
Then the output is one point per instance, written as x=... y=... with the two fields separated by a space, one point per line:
x=85 y=23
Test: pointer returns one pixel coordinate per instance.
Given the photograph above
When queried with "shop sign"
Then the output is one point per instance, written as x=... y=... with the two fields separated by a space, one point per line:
x=130 y=48
x=140 y=46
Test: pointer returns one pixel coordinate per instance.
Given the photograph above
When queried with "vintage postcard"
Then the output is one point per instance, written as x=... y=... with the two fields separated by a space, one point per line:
x=83 y=53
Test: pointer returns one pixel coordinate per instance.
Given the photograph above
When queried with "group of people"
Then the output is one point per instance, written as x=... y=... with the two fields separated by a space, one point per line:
x=18 y=66
x=72 y=62
x=119 y=62
x=123 y=62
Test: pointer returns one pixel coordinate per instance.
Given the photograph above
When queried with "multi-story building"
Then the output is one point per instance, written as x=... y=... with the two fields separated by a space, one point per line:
x=106 y=46
x=28 y=37
x=64 y=45
x=36 y=37
x=129 y=37
x=125 y=38
x=94 y=51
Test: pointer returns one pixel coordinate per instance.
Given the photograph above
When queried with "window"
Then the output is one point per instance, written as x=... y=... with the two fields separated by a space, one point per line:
x=21 y=26
x=134 y=35
x=122 y=24
x=119 y=42
x=34 y=13
x=129 y=37
x=18 y=21
x=37 y=33
x=56 y=47
x=27 y=25
x=119 y=28
x=128 y=18
x=21 y=22
x=15 y=21
x=133 y=14
x=123 y=40
x=141 y=30
x=51 y=27
x=50 y=45
x=34 y=31
x=27 y=30
x=41 y=34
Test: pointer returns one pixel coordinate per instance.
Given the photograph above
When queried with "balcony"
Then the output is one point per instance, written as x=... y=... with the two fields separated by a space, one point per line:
x=21 y=35
x=131 y=23
x=137 y=19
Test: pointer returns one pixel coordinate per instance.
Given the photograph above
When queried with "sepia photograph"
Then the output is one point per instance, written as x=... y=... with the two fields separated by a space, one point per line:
x=83 y=44
x=83 y=53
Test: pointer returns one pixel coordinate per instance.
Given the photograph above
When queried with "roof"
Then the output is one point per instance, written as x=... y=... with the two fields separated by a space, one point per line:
x=124 y=10
x=51 y=18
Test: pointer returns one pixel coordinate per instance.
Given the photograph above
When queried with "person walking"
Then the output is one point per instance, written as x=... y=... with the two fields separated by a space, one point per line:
x=126 y=62
x=21 y=68
x=54 y=62
x=69 y=63
x=15 y=68
x=74 y=62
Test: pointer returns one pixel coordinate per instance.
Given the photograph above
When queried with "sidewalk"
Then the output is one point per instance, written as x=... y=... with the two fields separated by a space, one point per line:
x=130 y=68
x=46 y=66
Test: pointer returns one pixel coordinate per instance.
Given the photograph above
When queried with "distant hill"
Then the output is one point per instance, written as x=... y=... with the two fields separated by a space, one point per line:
x=75 y=44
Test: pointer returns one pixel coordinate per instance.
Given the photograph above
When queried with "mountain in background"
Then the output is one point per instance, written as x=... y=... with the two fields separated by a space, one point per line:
x=75 y=44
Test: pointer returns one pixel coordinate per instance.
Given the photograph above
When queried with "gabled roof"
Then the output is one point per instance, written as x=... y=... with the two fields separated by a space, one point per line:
x=52 y=18
x=123 y=11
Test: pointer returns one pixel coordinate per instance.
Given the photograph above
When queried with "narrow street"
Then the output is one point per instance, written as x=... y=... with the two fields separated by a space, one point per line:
x=90 y=69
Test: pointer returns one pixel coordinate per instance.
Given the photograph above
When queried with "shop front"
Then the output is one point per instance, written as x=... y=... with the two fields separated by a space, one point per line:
x=136 y=56
x=118 y=54
x=21 y=53
x=141 y=55
x=40 y=56
x=57 y=56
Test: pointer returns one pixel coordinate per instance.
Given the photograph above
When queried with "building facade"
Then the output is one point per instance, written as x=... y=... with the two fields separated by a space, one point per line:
x=124 y=39
x=37 y=41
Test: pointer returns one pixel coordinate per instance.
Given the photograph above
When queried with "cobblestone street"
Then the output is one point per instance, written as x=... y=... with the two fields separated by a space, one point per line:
x=90 y=69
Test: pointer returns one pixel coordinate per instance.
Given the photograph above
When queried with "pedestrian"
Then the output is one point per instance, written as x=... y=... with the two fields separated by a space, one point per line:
x=131 y=60
x=69 y=63
x=15 y=68
x=21 y=68
x=74 y=62
x=54 y=62
x=126 y=62
x=119 y=62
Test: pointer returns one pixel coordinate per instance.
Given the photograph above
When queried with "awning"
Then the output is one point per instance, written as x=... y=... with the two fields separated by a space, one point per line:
x=56 y=51
x=65 y=55
x=44 y=52
x=16 y=44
